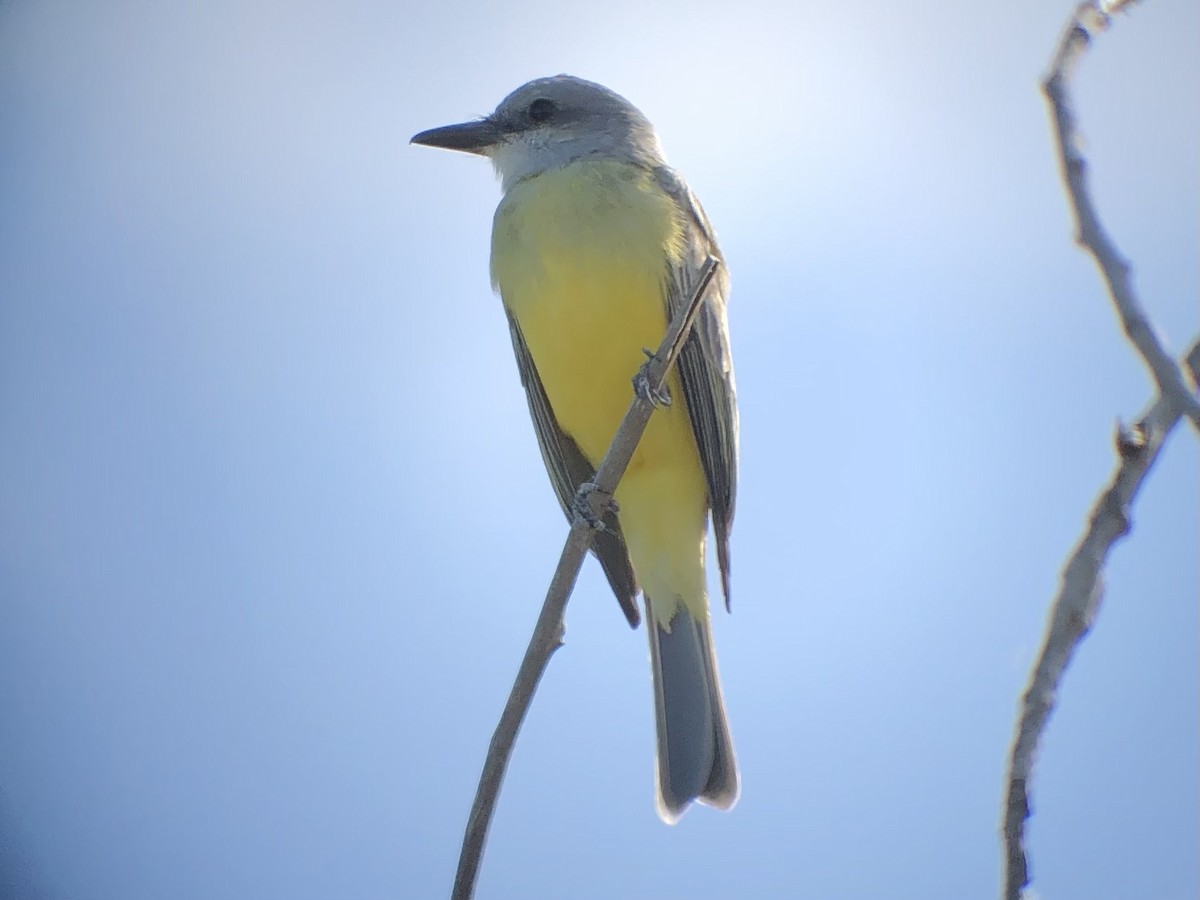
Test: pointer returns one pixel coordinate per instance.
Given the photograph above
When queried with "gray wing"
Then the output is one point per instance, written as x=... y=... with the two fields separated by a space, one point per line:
x=706 y=366
x=568 y=469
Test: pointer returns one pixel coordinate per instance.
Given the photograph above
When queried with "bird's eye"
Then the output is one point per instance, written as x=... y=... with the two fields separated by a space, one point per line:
x=541 y=110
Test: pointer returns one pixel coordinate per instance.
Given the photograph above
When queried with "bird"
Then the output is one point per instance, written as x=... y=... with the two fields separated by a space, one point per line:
x=595 y=244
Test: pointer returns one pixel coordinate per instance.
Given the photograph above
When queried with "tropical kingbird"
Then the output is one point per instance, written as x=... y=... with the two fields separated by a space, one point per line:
x=595 y=244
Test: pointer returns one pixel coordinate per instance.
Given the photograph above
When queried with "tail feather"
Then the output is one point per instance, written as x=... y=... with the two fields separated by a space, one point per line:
x=695 y=748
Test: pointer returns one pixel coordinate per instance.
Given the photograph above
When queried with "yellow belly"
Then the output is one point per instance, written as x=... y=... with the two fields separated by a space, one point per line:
x=580 y=256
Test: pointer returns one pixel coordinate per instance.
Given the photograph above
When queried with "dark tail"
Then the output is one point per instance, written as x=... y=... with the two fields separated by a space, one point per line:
x=695 y=749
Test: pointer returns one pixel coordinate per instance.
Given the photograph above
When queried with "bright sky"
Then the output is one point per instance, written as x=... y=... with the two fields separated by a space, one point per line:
x=274 y=529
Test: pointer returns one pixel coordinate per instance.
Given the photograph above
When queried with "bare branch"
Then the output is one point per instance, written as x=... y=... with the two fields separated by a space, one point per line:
x=1078 y=600
x=548 y=633
x=1090 y=19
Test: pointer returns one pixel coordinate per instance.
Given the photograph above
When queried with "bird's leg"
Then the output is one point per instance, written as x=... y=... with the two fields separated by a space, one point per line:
x=641 y=384
x=581 y=506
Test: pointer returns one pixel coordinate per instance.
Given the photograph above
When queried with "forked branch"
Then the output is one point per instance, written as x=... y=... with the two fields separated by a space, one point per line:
x=1074 y=608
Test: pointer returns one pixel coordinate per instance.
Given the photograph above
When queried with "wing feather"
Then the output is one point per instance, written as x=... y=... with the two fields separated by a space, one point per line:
x=568 y=469
x=706 y=366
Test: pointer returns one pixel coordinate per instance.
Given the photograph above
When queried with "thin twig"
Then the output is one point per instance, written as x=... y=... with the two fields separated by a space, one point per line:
x=548 y=633
x=1075 y=607
x=1090 y=19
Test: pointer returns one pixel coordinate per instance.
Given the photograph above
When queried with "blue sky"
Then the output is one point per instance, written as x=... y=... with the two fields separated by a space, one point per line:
x=274 y=529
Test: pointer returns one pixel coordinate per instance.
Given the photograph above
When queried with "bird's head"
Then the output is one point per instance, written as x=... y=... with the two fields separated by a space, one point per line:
x=549 y=123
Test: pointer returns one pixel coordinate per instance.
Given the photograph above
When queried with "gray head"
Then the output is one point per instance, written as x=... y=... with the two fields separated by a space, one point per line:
x=549 y=123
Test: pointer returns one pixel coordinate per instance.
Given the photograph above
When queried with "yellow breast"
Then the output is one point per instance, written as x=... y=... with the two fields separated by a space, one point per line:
x=580 y=255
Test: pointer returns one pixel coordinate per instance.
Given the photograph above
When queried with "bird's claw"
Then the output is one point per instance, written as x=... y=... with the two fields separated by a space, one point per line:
x=581 y=506
x=641 y=384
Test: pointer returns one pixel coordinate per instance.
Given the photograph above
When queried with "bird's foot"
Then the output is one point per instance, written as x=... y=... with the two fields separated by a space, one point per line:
x=659 y=396
x=581 y=506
